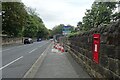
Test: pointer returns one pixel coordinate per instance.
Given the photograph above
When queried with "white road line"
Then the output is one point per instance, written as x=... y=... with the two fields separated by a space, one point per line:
x=33 y=50
x=13 y=48
x=43 y=44
x=6 y=49
x=37 y=48
x=11 y=62
x=19 y=47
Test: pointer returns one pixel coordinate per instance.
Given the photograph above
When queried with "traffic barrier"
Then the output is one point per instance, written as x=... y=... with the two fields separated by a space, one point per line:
x=59 y=47
x=62 y=49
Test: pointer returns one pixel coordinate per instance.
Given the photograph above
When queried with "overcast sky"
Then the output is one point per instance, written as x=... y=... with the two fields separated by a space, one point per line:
x=55 y=12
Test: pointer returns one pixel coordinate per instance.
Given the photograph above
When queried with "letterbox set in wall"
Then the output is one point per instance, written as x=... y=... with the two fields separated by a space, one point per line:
x=96 y=47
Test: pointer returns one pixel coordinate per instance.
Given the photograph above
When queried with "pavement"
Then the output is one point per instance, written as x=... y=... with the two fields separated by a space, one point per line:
x=59 y=64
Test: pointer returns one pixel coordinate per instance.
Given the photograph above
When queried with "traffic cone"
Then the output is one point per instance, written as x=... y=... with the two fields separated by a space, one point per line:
x=59 y=47
x=55 y=46
x=62 y=49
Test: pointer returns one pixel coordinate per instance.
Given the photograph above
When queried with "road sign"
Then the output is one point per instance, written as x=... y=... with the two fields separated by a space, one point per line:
x=66 y=30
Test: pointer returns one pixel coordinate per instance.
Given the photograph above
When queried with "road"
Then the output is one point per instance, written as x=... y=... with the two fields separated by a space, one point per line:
x=21 y=61
x=17 y=60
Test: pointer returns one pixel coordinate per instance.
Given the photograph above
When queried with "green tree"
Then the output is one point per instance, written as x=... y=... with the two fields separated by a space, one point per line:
x=14 y=18
x=57 y=29
x=101 y=12
x=35 y=26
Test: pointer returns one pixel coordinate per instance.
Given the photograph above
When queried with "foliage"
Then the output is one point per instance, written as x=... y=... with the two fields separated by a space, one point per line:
x=19 y=20
x=116 y=16
x=35 y=27
x=101 y=13
x=73 y=34
x=14 y=18
x=58 y=29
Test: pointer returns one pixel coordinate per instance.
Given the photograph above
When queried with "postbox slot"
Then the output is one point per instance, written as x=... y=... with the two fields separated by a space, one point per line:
x=95 y=38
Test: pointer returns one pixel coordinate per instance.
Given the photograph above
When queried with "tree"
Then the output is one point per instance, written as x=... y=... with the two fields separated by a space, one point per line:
x=19 y=20
x=35 y=27
x=88 y=20
x=14 y=18
x=79 y=26
x=30 y=29
x=79 y=23
x=57 y=29
x=50 y=33
x=101 y=12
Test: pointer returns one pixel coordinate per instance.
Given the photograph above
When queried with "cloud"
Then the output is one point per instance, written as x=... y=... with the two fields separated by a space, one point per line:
x=54 y=12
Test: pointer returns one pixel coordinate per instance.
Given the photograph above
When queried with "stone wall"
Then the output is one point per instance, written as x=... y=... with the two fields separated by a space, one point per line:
x=80 y=47
x=6 y=40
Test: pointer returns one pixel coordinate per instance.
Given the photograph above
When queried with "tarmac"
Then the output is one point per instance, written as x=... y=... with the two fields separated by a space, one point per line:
x=57 y=64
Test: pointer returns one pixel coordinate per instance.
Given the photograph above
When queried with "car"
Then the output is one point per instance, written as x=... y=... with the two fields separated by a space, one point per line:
x=51 y=39
x=39 y=39
x=28 y=41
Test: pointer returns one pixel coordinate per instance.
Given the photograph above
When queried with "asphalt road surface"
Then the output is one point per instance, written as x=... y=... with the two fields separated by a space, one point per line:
x=17 y=60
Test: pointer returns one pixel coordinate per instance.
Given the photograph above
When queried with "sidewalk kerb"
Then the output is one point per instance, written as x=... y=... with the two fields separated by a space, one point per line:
x=33 y=70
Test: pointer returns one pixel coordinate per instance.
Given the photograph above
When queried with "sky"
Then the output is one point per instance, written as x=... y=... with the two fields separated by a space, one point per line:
x=55 y=12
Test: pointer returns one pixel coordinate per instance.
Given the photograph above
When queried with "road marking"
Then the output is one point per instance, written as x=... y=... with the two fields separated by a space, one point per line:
x=11 y=62
x=20 y=47
x=33 y=50
x=5 y=49
x=43 y=45
x=11 y=48
x=33 y=70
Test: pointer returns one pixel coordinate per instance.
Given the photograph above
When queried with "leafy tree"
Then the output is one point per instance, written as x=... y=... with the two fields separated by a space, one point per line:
x=35 y=27
x=101 y=12
x=116 y=16
x=88 y=20
x=57 y=29
x=19 y=20
x=79 y=24
x=31 y=27
x=72 y=29
x=50 y=33
x=14 y=18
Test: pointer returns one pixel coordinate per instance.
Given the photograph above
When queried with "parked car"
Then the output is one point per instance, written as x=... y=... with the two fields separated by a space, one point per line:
x=39 y=39
x=51 y=39
x=28 y=41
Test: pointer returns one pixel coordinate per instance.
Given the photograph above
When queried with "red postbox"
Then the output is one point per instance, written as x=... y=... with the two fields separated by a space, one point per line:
x=96 y=47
